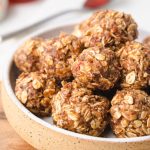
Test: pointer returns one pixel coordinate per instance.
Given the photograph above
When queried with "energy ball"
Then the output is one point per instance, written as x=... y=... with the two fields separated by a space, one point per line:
x=35 y=90
x=78 y=110
x=26 y=57
x=107 y=28
x=135 y=63
x=130 y=113
x=97 y=68
x=58 y=54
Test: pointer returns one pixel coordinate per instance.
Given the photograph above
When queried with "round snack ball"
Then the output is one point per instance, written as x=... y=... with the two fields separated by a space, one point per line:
x=130 y=113
x=35 y=90
x=26 y=57
x=107 y=28
x=96 y=68
x=78 y=110
x=135 y=63
x=58 y=54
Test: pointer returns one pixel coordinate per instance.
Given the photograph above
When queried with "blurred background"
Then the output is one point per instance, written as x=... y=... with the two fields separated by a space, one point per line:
x=16 y=15
x=19 y=18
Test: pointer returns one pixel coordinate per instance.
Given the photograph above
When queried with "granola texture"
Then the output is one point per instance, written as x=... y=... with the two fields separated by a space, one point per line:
x=107 y=28
x=96 y=68
x=57 y=55
x=78 y=110
x=130 y=113
x=26 y=57
x=135 y=63
x=35 y=90
x=73 y=78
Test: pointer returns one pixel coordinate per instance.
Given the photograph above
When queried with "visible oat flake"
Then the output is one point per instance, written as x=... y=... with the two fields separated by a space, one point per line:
x=24 y=97
x=130 y=78
x=129 y=99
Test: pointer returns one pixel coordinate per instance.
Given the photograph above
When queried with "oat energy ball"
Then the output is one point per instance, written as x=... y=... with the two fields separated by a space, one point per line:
x=107 y=28
x=35 y=90
x=78 y=110
x=130 y=113
x=26 y=57
x=96 y=68
x=58 y=54
x=135 y=63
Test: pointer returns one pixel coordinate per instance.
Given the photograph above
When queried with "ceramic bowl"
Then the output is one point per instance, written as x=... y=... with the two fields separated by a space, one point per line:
x=42 y=133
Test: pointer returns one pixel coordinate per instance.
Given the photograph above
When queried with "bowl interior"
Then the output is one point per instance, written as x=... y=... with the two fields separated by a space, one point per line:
x=13 y=74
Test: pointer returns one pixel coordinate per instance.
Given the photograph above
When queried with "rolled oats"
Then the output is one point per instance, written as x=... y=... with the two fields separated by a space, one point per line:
x=134 y=119
x=79 y=110
x=96 y=68
x=128 y=99
x=130 y=78
x=26 y=57
x=107 y=28
x=58 y=54
x=135 y=62
x=35 y=90
x=24 y=96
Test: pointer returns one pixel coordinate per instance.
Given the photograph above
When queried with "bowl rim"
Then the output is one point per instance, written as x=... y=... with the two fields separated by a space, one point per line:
x=11 y=94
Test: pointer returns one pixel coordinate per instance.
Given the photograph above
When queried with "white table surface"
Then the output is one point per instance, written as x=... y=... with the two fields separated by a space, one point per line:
x=139 y=9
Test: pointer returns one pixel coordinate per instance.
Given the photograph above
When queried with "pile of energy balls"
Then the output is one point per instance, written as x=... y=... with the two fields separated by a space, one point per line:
x=95 y=77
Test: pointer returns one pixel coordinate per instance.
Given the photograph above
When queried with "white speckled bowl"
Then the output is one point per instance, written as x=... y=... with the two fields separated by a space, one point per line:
x=41 y=133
